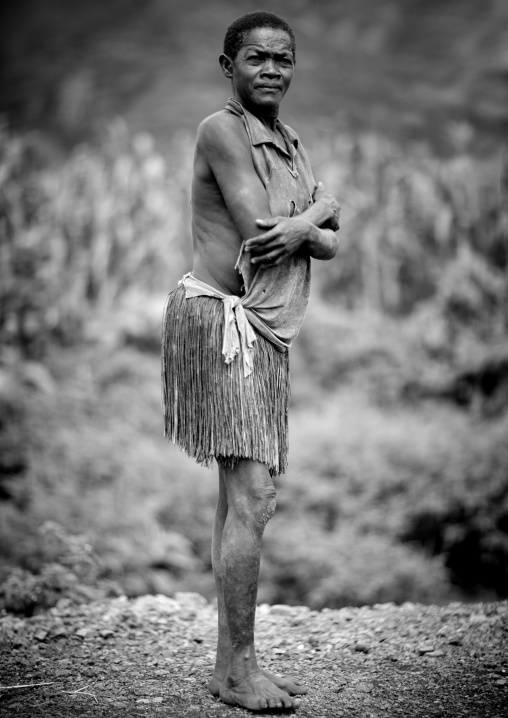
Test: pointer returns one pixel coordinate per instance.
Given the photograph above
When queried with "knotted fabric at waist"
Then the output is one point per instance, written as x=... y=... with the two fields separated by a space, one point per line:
x=239 y=336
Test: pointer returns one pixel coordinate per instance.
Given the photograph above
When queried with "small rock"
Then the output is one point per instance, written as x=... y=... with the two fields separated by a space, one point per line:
x=456 y=609
x=281 y=610
x=361 y=647
x=298 y=620
x=64 y=606
x=58 y=632
x=159 y=603
x=435 y=654
x=40 y=635
x=82 y=632
x=190 y=600
x=314 y=641
x=364 y=687
x=264 y=609
x=455 y=640
x=501 y=682
x=106 y=633
x=425 y=648
x=478 y=618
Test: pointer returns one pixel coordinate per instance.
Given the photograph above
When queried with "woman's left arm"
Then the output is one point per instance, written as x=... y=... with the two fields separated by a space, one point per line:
x=286 y=236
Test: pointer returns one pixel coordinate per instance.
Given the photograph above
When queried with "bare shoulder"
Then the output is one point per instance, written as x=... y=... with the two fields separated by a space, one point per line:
x=221 y=131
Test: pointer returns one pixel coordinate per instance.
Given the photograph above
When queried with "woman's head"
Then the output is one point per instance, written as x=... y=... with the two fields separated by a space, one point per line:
x=258 y=58
x=239 y=29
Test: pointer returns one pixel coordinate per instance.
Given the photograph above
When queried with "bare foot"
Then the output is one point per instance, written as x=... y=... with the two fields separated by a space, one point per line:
x=214 y=685
x=255 y=692
x=285 y=684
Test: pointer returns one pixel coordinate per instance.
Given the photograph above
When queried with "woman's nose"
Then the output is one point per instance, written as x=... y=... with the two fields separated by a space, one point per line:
x=271 y=67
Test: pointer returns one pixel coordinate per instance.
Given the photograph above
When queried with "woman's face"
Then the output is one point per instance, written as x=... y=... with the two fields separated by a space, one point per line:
x=262 y=70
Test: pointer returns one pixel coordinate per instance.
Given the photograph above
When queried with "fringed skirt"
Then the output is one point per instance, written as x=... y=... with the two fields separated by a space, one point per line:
x=210 y=409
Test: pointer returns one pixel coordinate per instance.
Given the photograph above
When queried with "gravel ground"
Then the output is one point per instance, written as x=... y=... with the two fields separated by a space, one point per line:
x=153 y=655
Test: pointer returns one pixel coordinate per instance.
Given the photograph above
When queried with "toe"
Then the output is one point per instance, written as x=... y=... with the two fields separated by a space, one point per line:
x=295 y=689
x=227 y=697
x=287 y=702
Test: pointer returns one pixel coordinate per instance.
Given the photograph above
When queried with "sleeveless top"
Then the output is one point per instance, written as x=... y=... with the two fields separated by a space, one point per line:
x=275 y=298
x=277 y=295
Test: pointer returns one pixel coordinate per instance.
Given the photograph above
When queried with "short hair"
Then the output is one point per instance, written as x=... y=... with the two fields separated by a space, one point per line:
x=237 y=31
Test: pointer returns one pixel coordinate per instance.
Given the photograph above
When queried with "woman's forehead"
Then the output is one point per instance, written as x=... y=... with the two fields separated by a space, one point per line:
x=270 y=38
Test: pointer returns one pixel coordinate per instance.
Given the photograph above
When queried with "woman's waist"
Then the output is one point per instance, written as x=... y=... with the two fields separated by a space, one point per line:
x=224 y=278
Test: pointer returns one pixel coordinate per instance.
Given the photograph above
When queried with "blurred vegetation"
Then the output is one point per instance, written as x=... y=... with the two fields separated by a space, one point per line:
x=401 y=67
x=76 y=236
x=66 y=567
x=398 y=481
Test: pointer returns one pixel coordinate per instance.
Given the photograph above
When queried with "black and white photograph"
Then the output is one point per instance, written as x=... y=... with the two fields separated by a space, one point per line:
x=254 y=358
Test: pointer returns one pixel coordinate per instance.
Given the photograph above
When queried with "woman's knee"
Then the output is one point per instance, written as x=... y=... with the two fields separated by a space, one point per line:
x=260 y=506
x=267 y=504
x=253 y=500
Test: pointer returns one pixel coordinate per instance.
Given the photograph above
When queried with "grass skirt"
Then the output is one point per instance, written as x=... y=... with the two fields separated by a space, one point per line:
x=210 y=409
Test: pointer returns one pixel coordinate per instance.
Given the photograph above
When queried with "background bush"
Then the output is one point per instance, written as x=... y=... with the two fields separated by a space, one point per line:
x=397 y=488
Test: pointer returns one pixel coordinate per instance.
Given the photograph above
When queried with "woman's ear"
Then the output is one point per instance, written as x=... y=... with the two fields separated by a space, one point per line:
x=227 y=66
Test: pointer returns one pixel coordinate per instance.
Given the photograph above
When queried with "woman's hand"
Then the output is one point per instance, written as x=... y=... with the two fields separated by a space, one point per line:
x=332 y=206
x=284 y=236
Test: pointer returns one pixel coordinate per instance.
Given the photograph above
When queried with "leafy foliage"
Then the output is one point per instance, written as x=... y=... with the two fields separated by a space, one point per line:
x=67 y=567
x=397 y=482
x=419 y=228
x=77 y=236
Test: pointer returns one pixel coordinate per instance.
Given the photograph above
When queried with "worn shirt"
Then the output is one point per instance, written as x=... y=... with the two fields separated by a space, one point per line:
x=278 y=295
x=275 y=298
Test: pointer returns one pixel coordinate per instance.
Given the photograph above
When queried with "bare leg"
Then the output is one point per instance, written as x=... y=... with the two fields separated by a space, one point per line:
x=224 y=643
x=246 y=502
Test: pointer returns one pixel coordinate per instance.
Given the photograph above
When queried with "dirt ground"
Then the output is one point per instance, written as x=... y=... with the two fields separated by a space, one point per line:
x=153 y=655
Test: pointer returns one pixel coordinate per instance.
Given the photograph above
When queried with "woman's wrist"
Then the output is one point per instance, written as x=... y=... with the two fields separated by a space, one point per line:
x=321 y=243
x=314 y=238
